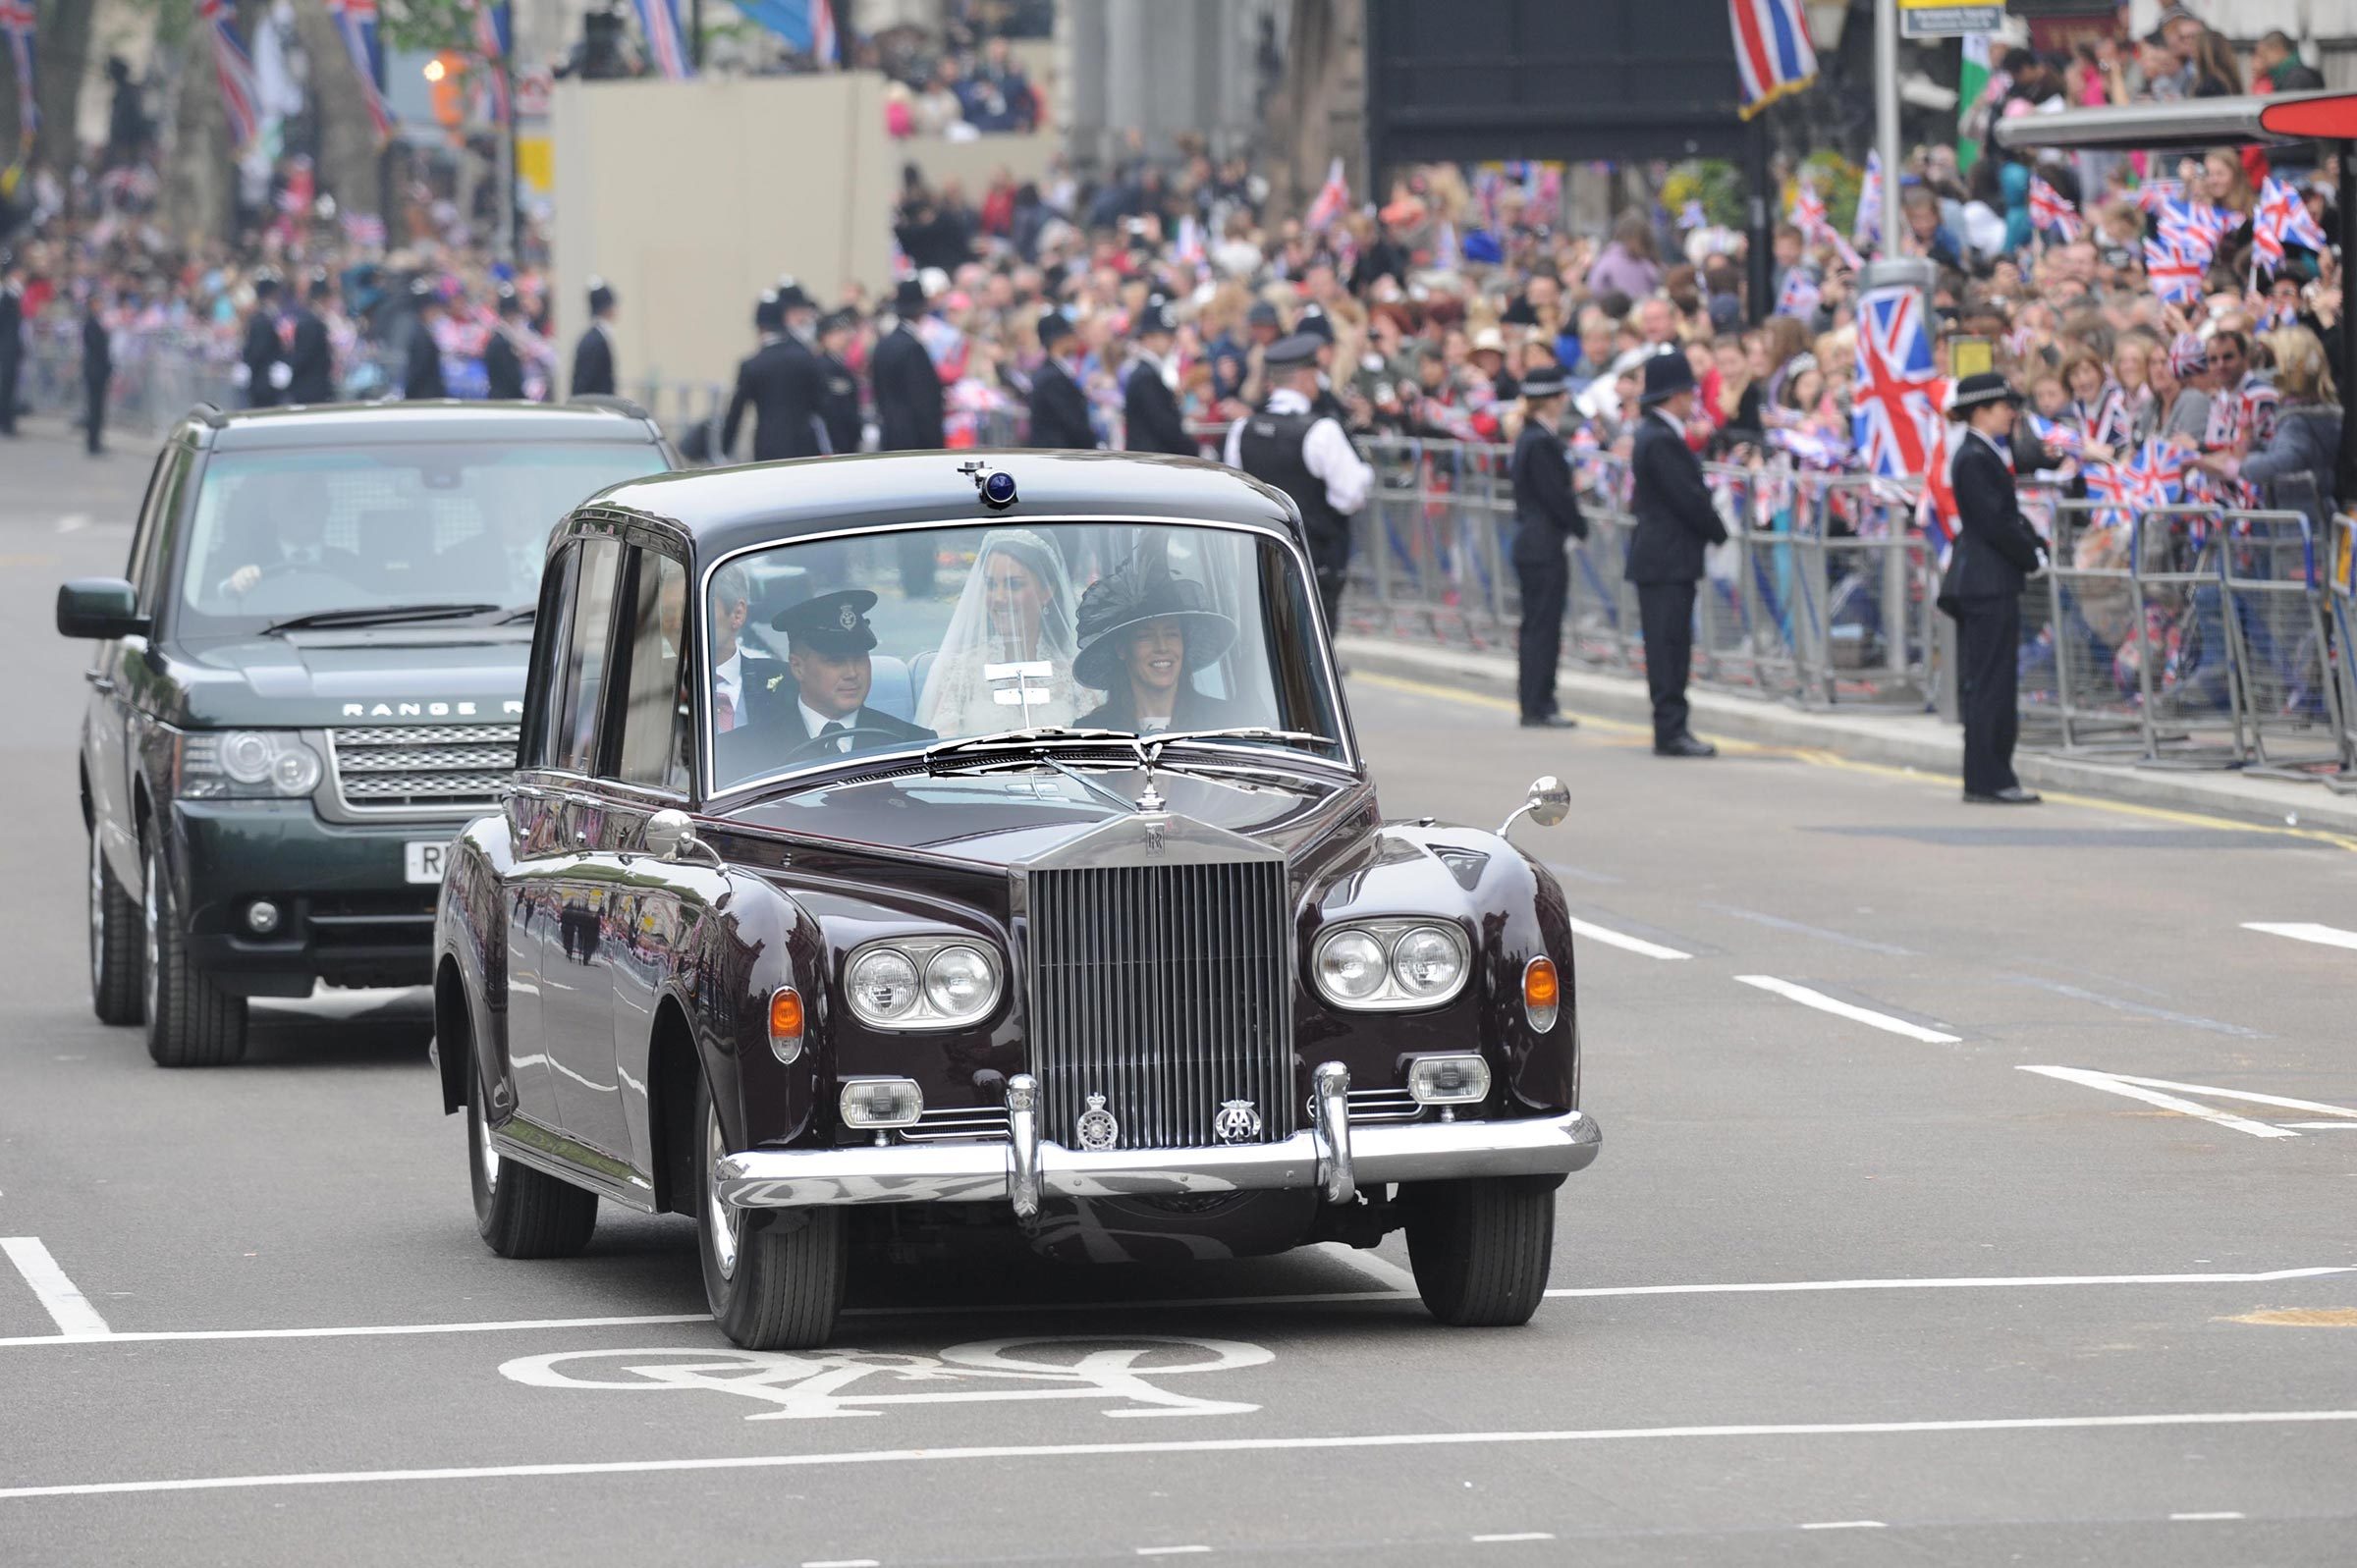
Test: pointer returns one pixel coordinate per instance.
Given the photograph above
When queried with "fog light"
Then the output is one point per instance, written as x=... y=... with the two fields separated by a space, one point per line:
x=261 y=917
x=785 y=1023
x=1448 y=1080
x=1541 y=995
x=882 y=1103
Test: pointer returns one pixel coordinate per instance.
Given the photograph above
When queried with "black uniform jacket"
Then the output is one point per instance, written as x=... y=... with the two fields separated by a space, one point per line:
x=1995 y=548
x=774 y=737
x=1676 y=521
x=784 y=386
x=421 y=375
x=594 y=363
x=503 y=367
x=260 y=351
x=909 y=397
x=839 y=404
x=1152 y=411
x=1059 y=410
x=1546 y=506
x=97 y=349
x=311 y=361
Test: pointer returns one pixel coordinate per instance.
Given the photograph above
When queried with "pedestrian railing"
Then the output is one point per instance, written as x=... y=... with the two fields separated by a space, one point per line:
x=2341 y=607
x=152 y=385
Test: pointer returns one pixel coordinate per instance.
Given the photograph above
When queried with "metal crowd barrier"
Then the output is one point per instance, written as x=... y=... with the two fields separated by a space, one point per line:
x=2341 y=604
x=152 y=384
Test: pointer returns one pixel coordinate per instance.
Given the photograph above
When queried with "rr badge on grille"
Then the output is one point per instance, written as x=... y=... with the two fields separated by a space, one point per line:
x=1238 y=1122
x=1097 y=1129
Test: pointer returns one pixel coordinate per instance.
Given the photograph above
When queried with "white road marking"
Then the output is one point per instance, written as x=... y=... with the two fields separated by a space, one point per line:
x=76 y=1317
x=1201 y=1445
x=1848 y=1524
x=2186 y=1518
x=1526 y=1535
x=73 y=523
x=2320 y=1126
x=2305 y=931
x=844 y=1562
x=1857 y=1014
x=1170 y=1551
x=1339 y=1298
x=2149 y=1090
x=1965 y=1282
x=1622 y=940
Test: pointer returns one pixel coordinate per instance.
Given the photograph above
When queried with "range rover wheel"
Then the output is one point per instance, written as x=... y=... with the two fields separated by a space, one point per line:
x=116 y=945
x=775 y=1282
x=191 y=1022
x=1481 y=1248
x=522 y=1212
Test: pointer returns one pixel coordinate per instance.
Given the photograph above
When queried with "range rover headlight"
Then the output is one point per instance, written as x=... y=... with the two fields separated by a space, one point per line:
x=246 y=765
x=923 y=982
x=1389 y=965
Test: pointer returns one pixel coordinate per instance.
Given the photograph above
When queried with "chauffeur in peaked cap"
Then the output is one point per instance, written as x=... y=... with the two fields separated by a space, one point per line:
x=820 y=699
x=1995 y=553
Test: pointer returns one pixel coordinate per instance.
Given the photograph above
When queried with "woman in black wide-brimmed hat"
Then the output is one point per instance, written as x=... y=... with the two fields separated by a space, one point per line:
x=1143 y=635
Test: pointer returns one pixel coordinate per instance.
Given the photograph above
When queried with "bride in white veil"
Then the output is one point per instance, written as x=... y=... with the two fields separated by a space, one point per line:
x=1016 y=607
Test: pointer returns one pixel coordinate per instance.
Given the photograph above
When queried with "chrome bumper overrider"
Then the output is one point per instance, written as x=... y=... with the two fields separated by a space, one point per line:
x=1331 y=1155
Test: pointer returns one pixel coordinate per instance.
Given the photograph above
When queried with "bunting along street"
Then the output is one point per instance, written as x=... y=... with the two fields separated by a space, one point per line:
x=1983 y=1184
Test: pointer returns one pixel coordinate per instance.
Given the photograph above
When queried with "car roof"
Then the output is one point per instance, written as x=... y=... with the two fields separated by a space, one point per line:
x=441 y=422
x=726 y=509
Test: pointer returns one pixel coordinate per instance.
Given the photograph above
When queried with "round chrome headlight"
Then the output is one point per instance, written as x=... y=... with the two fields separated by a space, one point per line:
x=1350 y=966
x=959 y=982
x=882 y=985
x=1426 y=962
x=247 y=755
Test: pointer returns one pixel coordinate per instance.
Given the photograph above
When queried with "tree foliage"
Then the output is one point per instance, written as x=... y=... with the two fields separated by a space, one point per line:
x=434 y=25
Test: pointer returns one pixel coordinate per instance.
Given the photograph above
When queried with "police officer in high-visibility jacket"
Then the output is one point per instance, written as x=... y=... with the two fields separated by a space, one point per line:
x=1304 y=452
x=1547 y=517
x=1995 y=554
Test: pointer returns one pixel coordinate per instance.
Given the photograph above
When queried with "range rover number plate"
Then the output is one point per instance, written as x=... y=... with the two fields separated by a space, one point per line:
x=424 y=860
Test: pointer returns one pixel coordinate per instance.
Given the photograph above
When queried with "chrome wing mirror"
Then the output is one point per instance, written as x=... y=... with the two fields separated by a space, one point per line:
x=671 y=836
x=1549 y=803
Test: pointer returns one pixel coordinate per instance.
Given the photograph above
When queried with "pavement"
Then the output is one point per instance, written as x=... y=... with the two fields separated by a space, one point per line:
x=1977 y=1187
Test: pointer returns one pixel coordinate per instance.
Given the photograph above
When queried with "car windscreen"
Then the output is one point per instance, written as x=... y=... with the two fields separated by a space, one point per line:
x=284 y=534
x=903 y=638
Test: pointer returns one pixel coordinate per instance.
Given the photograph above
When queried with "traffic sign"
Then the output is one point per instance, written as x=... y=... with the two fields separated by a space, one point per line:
x=1945 y=19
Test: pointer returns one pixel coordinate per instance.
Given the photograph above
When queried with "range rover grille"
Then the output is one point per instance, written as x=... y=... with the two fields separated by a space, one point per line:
x=1165 y=989
x=424 y=767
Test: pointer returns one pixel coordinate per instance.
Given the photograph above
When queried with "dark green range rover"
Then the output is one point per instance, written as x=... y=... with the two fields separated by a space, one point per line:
x=307 y=680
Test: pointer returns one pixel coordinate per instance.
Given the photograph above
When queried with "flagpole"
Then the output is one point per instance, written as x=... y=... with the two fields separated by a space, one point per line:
x=1886 y=113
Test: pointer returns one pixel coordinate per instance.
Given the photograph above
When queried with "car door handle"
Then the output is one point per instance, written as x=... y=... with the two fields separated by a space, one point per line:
x=100 y=682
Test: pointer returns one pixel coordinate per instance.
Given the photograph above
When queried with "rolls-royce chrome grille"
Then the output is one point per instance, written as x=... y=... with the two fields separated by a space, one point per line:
x=424 y=767
x=1165 y=991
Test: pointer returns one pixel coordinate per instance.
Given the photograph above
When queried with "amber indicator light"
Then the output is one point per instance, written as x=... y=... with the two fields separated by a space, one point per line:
x=1541 y=990
x=785 y=1014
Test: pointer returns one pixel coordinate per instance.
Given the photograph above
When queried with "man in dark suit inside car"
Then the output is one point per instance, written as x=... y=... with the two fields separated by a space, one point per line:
x=819 y=702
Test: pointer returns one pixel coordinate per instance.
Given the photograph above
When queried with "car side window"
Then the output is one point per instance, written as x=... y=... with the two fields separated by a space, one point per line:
x=573 y=745
x=151 y=547
x=654 y=720
x=543 y=700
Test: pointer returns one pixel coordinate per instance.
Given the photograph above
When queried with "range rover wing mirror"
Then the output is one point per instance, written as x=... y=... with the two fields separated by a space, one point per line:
x=671 y=836
x=1549 y=803
x=99 y=607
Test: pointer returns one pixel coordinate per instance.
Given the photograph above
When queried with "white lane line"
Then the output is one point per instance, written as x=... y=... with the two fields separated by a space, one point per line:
x=2149 y=1090
x=1170 y=1551
x=76 y=1317
x=2188 y=1519
x=73 y=523
x=1848 y=1524
x=1340 y=1298
x=1523 y=1534
x=1622 y=940
x=1843 y=1010
x=844 y=1562
x=1966 y=1282
x=2320 y=1127
x=1200 y=1445
x=2305 y=931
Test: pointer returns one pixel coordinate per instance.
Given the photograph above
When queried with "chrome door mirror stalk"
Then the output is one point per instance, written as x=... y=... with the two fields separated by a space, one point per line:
x=1549 y=803
x=671 y=836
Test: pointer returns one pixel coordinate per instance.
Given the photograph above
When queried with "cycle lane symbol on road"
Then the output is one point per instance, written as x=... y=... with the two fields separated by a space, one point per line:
x=2158 y=1092
x=1123 y=1371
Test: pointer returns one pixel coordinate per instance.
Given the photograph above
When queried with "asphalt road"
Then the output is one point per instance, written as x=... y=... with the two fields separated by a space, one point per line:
x=1923 y=1278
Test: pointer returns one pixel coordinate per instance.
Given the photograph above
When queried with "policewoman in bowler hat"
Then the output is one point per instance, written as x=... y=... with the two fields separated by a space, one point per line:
x=1676 y=522
x=1995 y=554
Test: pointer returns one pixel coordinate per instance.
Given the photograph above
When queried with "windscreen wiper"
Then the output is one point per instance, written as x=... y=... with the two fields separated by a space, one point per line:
x=377 y=615
x=1291 y=737
x=1018 y=745
x=521 y=616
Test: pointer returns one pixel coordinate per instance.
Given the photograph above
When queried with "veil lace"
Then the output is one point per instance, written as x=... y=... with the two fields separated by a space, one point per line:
x=956 y=699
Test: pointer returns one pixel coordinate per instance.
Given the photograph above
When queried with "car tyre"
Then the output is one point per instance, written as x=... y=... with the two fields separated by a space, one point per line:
x=116 y=945
x=1481 y=1248
x=774 y=1281
x=521 y=1213
x=191 y=1022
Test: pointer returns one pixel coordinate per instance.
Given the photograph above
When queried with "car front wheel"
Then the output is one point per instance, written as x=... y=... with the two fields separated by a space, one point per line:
x=116 y=944
x=191 y=1022
x=1481 y=1248
x=522 y=1212
x=775 y=1280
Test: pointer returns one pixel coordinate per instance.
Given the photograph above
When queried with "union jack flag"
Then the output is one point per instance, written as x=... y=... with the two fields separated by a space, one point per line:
x=1937 y=512
x=2153 y=477
x=1772 y=52
x=233 y=68
x=355 y=20
x=666 y=46
x=1811 y=447
x=1867 y=229
x=2281 y=219
x=2057 y=437
x=1799 y=295
x=1811 y=219
x=20 y=22
x=1893 y=421
x=2174 y=270
x=2052 y=209
x=2151 y=194
x=2195 y=224
x=494 y=26
x=1332 y=201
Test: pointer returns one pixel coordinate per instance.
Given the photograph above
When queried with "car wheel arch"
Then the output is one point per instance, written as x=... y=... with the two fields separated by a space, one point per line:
x=673 y=1066
x=455 y=1033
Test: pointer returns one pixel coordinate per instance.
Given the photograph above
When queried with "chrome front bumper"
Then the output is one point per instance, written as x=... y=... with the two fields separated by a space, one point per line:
x=1331 y=1155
